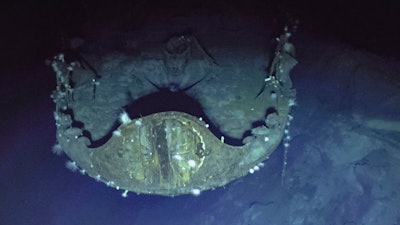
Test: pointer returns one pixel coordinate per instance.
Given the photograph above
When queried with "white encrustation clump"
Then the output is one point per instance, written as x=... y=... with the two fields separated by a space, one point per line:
x=57 y=149
x=124 y=118
x=117 y=133
x=292 y=102
x=71 y=165
x=178 y=157
x=192 y=163
x=138 y=122
x=195 y=191
x=256 y=168
x=125 y=194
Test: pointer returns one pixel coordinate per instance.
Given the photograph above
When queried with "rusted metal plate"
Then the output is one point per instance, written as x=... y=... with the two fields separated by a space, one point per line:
x=165 y=153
